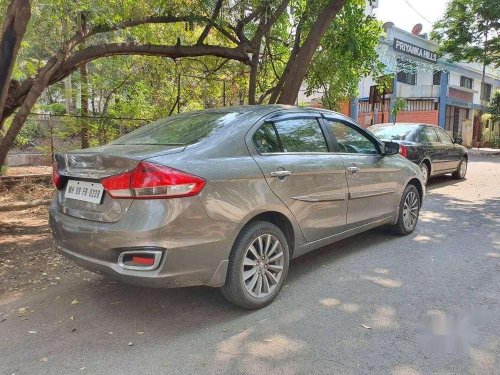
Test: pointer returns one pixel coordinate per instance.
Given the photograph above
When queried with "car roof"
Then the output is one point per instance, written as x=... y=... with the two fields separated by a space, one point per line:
x=403 y=123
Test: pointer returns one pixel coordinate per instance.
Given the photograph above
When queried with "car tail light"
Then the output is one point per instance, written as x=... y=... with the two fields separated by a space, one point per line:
x=56 y=178
x=152 y=181
x=403 y=150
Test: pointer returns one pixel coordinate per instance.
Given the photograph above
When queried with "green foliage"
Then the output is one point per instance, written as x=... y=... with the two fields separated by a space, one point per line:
x=142 y=88
x=494 y=107
x=470 y=31
x=54 y=108
x=398 y=106
x=30 y=132
x=347 y=52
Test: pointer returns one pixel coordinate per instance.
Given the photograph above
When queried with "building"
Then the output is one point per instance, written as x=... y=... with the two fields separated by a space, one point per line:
x=436 y=91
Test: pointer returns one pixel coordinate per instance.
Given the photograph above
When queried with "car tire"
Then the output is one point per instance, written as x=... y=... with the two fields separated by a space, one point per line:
x=258 y=266
x=459 y=174
x=424 y=171
x=409 y=210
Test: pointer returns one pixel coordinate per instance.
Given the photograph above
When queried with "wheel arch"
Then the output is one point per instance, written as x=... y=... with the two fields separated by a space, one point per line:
x=281 y=221
x=418 y=185
x=428 y=162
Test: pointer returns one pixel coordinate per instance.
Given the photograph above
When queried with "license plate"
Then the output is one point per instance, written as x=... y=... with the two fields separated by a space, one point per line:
x=84 y=191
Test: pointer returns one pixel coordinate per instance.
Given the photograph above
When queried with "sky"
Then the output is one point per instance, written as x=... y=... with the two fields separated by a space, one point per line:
x=400 y=12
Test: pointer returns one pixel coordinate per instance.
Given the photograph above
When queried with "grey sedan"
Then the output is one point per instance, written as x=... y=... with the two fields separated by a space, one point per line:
x=227 y=197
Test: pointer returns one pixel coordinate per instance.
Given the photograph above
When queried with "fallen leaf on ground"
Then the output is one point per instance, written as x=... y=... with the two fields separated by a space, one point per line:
x=22 y=312
x=75 y=301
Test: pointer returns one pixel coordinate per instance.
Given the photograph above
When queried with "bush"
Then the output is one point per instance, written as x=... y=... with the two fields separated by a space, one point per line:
x=30 y=131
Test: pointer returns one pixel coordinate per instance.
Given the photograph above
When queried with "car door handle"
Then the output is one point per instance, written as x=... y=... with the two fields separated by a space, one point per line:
x=280 y=173
x=353 y=169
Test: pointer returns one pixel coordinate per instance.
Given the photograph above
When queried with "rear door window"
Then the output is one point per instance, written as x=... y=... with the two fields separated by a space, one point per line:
x=350 y=140
x=444 y=137
x=428 y=135
x=301 y=135
x=266 y=140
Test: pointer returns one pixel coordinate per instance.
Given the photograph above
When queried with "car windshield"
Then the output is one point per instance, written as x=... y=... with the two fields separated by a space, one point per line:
x=392 y=132
x=179 y=130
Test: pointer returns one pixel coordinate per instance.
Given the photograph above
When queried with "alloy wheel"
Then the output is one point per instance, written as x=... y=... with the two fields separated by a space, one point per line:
x=263 y=265
x=424 y=172
x=410 y=211
x=463 y=168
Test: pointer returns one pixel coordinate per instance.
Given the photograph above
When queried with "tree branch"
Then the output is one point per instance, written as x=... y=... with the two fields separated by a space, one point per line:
x=209 y=25
x=265 y=27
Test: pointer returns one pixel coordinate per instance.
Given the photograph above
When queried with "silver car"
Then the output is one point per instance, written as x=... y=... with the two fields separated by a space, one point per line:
x=226 y=197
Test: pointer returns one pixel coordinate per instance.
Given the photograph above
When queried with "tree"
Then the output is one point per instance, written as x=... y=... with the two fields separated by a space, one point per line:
x=398 y=106
x=494 y=107
x=347 y=52
x=208 y=46
x=470 y=31
x=104 y=22
x=14 y=27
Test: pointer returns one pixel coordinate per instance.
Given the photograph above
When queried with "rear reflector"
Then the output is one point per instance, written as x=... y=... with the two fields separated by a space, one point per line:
x=150 y=181
x=143 y=260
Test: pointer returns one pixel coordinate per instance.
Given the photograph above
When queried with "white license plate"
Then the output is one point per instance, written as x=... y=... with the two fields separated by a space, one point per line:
x=84 y=191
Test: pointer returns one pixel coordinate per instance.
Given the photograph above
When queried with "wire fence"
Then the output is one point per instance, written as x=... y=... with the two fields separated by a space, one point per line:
x=45 y=134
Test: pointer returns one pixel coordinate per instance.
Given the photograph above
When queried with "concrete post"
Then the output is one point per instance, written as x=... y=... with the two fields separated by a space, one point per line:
x=353 y=111
x=394 y=95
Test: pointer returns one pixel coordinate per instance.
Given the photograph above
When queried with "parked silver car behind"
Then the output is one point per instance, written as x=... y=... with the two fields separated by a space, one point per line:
x=227 y=197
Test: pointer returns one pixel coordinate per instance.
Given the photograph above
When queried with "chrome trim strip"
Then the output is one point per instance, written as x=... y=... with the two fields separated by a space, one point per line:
x=321 y=198
x=373 y=194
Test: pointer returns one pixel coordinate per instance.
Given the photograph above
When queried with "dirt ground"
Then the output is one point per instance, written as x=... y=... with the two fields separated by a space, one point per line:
x=27 y=257
x=16 y=171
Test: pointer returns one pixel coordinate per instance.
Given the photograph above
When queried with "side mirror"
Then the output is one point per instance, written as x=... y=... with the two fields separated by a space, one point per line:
x=458 y=140
x=391 y=148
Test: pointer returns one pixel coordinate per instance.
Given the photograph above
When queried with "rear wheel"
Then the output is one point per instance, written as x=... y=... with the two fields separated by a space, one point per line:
x=258 y=266
x=459 y=174
x=424 y=173
x=409 y=209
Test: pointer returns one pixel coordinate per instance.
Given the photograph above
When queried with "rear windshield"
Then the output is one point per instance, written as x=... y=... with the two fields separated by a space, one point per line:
x=392 y=132
x=178 y=130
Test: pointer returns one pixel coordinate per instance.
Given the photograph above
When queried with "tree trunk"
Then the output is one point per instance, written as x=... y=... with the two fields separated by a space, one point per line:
x=13 y=29
x=252 y=81
x=84 y=101
x=298 y=69
x=84 y=87
x=39 y=84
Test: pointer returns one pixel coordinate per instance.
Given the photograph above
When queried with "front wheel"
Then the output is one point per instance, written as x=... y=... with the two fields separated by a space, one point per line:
x=459 y=174
x=409 y=210
x=258 y=266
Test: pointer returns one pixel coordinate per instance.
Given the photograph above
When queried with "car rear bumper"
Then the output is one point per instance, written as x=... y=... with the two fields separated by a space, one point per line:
x=194 y=247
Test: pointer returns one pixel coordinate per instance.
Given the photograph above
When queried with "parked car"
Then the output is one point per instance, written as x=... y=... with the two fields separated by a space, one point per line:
x=428 y=146
x=227 y=197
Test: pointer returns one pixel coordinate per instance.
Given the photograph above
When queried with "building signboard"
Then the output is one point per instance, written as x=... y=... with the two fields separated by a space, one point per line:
x=413 y=50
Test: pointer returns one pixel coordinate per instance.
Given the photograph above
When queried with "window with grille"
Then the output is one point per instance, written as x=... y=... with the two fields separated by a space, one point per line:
x=486 y=92
x=403 y=75
x=466 y=82
x=436 y=77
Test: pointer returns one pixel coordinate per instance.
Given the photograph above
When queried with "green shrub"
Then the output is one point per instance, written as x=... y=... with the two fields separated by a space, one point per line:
x=30 y=131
